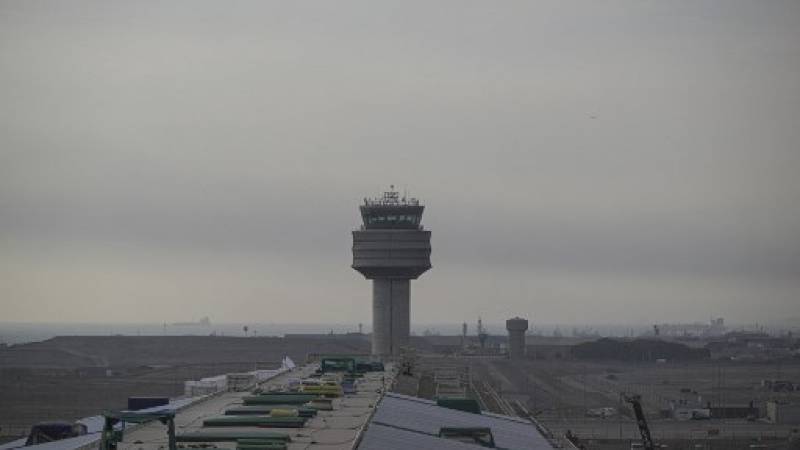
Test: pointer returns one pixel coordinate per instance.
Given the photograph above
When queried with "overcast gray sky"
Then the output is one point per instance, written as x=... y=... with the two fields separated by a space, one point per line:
x=580 y=161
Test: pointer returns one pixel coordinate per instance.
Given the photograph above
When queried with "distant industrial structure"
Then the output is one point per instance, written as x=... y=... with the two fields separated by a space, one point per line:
x=516 y=327
x=391 y=248
x=714 y=327
x=483 y=335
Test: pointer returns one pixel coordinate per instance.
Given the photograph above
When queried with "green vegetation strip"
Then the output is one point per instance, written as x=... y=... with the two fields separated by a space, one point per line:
x=231 y=436
x=255 y=421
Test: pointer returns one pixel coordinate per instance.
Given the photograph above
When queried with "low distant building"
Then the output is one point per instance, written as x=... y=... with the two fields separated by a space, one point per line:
x=778 y=385
x=241 y=381
x=742 y=346
x=552 y=348
x=325 y=336
x=493 y=344
x=683 y=413
x=783 y=413
x=734 y=412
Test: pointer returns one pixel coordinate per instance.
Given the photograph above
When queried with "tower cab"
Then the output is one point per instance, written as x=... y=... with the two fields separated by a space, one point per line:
x=391 y=212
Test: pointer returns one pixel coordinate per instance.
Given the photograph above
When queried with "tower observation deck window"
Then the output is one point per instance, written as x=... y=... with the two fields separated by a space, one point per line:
x=393 y=221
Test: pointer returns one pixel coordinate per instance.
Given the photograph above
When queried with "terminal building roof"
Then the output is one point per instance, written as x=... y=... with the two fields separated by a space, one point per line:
x=370 y=418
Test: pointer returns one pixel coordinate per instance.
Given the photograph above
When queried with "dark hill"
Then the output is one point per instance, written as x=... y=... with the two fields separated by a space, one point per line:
x=637 y=350
x=126 y=351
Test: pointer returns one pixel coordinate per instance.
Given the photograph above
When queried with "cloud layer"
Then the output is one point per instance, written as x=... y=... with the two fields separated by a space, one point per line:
x=587 y=162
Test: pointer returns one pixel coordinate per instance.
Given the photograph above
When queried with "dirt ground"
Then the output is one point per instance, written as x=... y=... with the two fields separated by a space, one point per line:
x=72 y=377
x=67 y=378
x=559 y=393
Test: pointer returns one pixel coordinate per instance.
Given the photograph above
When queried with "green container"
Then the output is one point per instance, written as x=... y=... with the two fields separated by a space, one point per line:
x=256 y=441
x=231 y=436
x=277 y=393
x=255 y=421
x=260 y=444
x=270 y=446
x=265 y=410
x=278 y=399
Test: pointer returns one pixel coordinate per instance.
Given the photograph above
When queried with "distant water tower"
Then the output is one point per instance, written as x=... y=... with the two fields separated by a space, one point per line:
x=516 y=327
x=391 y=248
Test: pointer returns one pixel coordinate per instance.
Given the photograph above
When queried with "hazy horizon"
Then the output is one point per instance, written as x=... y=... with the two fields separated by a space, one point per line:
x=614 y=162
x=20 y=332
x=787 y=322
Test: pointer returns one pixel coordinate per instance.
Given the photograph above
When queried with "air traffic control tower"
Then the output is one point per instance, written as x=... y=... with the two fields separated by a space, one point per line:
x=391 y=249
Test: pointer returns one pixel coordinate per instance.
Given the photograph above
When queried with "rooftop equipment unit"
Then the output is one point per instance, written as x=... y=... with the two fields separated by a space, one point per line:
x=462 y=404
x=137 y=403
x=470 y=435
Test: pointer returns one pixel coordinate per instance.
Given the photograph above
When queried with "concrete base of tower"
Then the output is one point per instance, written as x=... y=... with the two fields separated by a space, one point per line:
x=516 y=344
x=390 y=315
x=516 y=327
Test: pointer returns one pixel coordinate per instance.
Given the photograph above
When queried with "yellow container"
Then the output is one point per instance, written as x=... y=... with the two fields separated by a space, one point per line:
x=284 y=412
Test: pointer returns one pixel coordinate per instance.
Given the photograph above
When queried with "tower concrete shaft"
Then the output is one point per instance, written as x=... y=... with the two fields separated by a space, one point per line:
x=391 y=248
x=516 y=337
x=391 y=316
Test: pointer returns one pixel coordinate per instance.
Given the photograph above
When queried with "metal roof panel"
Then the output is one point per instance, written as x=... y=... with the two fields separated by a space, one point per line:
x=424 y=417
